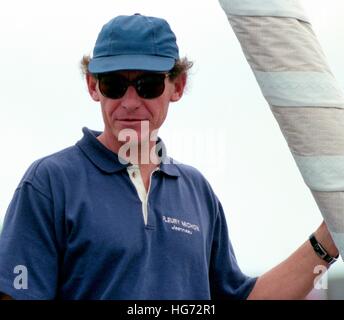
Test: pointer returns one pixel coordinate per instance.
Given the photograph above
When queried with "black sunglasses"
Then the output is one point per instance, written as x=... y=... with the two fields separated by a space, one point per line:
x=149 y=85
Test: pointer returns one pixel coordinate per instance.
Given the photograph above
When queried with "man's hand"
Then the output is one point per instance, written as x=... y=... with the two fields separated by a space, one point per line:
x=294 y=278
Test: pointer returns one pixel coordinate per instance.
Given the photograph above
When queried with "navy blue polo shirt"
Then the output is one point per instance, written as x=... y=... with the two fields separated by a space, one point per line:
x=75 y=223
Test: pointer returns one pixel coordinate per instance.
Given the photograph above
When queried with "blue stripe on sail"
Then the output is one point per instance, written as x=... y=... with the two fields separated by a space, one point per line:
x=322 y=173
x=300 y=89
x=271 y=8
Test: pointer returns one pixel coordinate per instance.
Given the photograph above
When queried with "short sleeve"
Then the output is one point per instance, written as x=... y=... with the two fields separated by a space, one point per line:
x=28 y=241
x=226 y=279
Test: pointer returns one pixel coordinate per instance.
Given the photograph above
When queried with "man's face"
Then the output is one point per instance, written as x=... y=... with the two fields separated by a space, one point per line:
x=129 y=111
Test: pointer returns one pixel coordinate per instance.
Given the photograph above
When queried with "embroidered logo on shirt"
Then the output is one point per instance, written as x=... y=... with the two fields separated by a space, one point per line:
x=181 y=225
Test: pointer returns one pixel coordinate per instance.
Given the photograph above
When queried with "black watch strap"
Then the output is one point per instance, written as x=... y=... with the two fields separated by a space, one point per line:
x=320 y=250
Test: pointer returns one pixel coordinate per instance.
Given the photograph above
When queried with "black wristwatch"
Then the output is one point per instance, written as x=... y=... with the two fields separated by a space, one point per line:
x=320 y=250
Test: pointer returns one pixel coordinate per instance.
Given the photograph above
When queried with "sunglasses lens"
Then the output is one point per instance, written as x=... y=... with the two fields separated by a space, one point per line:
x=113 y=86
x=150 y=86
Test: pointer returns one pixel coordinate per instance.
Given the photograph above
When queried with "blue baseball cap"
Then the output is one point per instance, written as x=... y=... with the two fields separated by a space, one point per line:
x=135 y=42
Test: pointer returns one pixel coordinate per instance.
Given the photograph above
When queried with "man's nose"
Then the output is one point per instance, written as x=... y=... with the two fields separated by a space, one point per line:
x=131 y=101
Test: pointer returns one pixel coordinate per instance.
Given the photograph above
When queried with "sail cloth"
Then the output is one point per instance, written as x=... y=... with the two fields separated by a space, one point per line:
x=307 y=102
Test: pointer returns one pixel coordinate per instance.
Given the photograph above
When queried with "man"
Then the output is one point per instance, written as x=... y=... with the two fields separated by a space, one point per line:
x=114 y=217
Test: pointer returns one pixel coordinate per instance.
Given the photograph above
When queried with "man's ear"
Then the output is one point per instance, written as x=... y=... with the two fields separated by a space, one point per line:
x=92 y=86
x=179 y=86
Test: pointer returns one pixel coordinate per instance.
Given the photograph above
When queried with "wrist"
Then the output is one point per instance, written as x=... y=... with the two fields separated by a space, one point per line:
x=325 y=239
x=321 y=251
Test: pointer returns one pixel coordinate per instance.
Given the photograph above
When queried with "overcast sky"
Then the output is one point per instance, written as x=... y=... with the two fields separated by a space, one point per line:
x=222 y=126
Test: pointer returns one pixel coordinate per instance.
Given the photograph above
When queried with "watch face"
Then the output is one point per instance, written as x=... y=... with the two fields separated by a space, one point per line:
x=320 y=250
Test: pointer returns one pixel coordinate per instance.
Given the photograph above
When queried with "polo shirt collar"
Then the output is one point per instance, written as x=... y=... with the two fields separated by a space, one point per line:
x=98 y=154
x=109 y=162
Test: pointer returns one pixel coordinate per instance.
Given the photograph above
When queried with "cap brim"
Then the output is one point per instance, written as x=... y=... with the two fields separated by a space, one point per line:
x=130 y=62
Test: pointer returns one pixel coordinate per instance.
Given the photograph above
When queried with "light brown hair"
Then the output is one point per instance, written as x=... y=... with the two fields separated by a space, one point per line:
x=181 y=66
